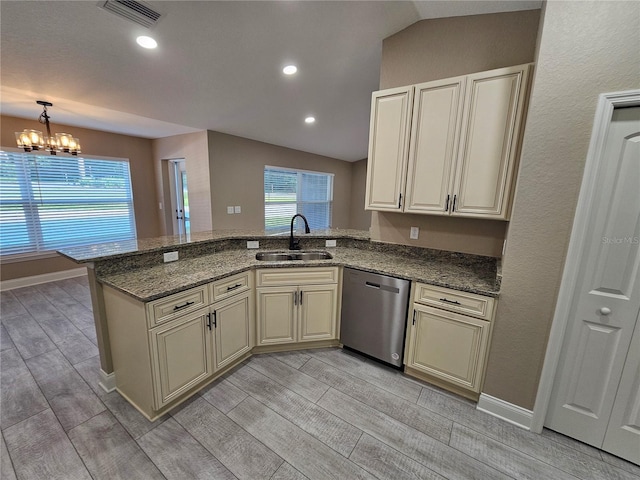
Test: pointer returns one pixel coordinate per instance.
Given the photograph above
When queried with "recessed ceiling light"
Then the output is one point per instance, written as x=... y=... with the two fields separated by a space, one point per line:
x=310 y=120
x=289 y=69
x=146 y=42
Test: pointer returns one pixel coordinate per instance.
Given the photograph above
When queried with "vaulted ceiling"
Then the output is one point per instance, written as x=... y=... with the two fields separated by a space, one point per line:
x=218 y=66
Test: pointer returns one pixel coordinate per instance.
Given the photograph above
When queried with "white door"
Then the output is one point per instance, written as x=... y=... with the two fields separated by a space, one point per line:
x=623 y=433
x=179 y=197
x=606 y=301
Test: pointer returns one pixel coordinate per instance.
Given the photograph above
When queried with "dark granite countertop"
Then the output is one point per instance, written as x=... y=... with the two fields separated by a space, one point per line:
x=113 y=250
x=458 y=271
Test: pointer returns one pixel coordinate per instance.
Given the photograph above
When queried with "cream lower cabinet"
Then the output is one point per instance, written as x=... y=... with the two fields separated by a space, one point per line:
x=181 y=355
x=447 y=346
x=164 y=350
x=233 y=328
x=296 y=305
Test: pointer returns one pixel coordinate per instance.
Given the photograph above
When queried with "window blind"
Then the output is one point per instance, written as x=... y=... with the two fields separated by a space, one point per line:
x=49 y=202
x=287 y=192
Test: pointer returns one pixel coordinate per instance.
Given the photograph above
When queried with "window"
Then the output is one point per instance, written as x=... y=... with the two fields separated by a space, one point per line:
x=287 y=192
x=49 y=202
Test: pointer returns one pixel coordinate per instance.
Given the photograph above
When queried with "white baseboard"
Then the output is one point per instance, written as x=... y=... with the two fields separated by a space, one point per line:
x=518 y=416
x=107 y=381
x=44 y=278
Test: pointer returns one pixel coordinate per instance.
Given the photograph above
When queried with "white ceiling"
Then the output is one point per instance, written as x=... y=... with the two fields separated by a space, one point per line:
x=217 y=67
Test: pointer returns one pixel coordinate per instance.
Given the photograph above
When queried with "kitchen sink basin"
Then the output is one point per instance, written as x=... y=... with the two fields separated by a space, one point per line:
x=288 y=256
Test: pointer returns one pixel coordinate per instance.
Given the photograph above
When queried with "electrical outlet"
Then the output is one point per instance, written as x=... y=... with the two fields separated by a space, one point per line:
x=160 y=205
x=330 y=243
x=230 y=210
x=170 y=257
x=414 y=233
x=253 y=244
x=237 y=209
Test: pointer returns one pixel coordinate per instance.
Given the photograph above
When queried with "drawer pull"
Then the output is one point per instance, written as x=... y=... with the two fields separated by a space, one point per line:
x=184 y=305
x=450 y=301
x=238 y=285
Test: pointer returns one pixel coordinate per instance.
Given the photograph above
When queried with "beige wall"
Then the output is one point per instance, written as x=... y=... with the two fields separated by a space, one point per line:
x=586 y=48
x=448 y=47
x=359 y=218
x=94 y=142
x=194 y=148
x=441 y=48
x=237 y=178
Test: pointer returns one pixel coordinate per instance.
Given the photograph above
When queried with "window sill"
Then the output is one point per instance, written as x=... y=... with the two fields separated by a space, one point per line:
x=26 y=257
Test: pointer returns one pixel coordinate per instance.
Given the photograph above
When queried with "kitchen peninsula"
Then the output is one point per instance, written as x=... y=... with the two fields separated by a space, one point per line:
x=134 y=290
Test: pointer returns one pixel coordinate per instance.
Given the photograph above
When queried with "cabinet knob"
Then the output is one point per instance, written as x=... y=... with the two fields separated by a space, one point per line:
x=605 y=311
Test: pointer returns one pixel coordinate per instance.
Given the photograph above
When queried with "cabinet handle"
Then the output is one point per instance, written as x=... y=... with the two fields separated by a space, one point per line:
x=300 y=298
x=446 y=206
x=400 y=201
x=186 y=304
x=414 y=317
x=209 y=320
x=295 y=298
x=234 y=287
x=454 y=302
x=453 y=207
x=215 y=319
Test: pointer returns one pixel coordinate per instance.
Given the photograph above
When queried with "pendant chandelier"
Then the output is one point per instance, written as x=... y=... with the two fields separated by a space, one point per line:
x=34 y=140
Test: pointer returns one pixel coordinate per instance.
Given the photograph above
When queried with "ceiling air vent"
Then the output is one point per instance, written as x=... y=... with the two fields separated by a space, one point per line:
x=138 y=12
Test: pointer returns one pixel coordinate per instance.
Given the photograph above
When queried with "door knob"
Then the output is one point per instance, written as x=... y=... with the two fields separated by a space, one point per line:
x=605 y=311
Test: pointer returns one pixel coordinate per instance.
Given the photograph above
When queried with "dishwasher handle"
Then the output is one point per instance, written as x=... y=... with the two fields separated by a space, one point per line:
x=385 y=288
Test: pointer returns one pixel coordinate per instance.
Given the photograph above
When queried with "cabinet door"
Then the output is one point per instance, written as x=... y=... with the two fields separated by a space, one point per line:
x=435 y=131
x=276 y=315
x=232 y=320
x=182 y=356
x=493 y=110
x=318 y=312
x=388 y=144
x=449 y=346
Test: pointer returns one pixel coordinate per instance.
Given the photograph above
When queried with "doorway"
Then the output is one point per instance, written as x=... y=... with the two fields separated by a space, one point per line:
x=590 y=385
x=179 y=197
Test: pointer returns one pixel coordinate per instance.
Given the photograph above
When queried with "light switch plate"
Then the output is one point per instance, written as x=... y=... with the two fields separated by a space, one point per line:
x=230 y=210
x=414 y=233
x=237 y=209
x=330 y=243
x=253 y=244
x=170 y=257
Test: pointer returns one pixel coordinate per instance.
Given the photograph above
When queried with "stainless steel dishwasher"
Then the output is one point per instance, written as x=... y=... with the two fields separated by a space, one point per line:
x=374 y=314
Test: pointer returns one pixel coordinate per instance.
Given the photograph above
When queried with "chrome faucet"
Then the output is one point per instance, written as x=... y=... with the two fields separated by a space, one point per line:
x=294 y=244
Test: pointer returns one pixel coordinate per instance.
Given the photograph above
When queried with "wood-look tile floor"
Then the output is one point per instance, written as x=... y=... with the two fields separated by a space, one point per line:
x=316 y=414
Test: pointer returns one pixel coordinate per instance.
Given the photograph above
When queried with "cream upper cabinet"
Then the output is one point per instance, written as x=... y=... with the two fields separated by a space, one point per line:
x=435 y=130
x=463 y=137
x=493 y=113
x=296 y=305
x=388 y=146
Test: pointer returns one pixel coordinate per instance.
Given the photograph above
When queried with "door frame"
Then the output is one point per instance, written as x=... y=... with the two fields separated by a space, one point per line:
x=607 y=102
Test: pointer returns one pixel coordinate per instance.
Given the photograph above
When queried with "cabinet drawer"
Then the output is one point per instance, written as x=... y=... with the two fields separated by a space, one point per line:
x=168 y=308
x=455 y=301
x=272 y=277
x=230 y=286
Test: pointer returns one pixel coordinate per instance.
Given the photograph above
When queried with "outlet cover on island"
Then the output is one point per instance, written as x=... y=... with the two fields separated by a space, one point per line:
x=414 y=233
x=230 y=210
x=330 y=243
x=170 y=257
x=253 y=244
x=237 y=209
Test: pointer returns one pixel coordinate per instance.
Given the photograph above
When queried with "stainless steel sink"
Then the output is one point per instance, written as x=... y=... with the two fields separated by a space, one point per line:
x=288 y=256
